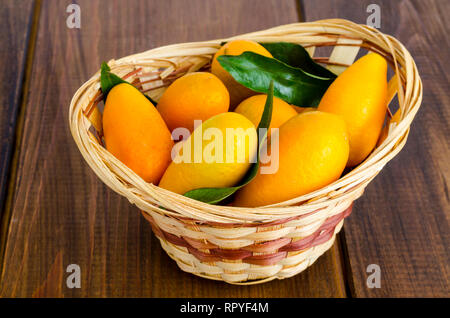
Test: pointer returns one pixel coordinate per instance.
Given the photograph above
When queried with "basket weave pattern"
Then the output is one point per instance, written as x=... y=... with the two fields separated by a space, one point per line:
x=247 y=245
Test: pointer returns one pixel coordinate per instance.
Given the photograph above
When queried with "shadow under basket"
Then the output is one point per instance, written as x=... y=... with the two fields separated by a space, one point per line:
x=248 y=245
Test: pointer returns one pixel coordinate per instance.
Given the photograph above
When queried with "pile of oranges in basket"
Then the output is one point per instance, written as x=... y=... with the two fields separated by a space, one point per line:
x=265 y=125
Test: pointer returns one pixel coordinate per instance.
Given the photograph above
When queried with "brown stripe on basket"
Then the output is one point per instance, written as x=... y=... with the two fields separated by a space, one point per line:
x=317 y=238
x=276 y=249
x=232 y=255
x=268 y=246
x=203 y=257
x=266 y=259
x=199 y=244
x=238 y=225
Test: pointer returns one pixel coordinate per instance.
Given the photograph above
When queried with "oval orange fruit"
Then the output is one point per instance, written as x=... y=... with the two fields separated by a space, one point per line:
x=359 y=96
x=217 y=162
x=195 y=96
x=313 y=151
x=135 y=133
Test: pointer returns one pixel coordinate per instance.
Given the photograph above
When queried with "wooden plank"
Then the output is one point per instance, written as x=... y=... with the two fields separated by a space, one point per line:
x=62 y=214
x=401 y=222
x=15 y=25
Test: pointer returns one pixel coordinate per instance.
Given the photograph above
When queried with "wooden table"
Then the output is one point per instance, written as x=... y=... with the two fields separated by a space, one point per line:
x=56 y=212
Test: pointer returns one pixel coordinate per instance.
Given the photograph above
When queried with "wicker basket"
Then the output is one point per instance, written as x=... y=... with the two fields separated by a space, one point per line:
x=247 y=245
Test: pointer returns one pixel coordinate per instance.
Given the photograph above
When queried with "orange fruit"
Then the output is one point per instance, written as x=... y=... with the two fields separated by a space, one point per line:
x=195 y=96
x=313 y=151
x=253 y=108
x=359 y=96
x=221 y=161
x=237 y=91
x=135 y=133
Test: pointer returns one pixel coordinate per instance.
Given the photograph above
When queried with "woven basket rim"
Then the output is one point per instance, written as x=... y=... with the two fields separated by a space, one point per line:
x=149 y=197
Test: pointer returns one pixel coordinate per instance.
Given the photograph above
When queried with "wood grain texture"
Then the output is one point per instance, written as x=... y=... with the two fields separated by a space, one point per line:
x=401 y=222
x=15 y=25
x=62 y=214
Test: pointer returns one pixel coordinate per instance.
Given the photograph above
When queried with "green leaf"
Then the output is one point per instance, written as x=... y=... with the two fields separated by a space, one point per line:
x=108 y=80
x=291 y=84
x=216 y=195
x=295 y=55
x=211 y=195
